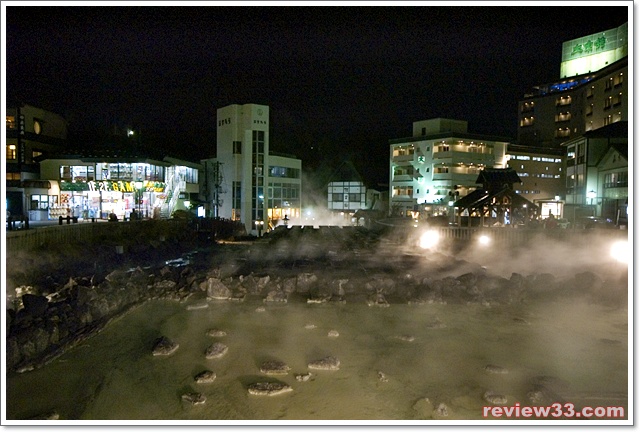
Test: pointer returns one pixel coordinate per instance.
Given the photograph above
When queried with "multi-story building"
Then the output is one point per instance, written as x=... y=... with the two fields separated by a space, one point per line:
x=597 y=173
x=346 y=193
x=541 y=173
x=31 y=133
x=253 y=181
x=99 y=183
x=592 y=91
x=284 y=188
x=438 y=164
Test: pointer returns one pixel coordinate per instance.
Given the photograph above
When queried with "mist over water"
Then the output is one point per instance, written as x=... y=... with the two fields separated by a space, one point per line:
x=391 y=358
x=113 y=376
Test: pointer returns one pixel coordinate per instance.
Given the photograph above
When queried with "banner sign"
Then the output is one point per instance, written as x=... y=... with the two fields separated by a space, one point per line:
x=113 y=186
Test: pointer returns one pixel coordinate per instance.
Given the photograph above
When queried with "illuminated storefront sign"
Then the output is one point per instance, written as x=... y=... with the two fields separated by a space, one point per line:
x=112 y=186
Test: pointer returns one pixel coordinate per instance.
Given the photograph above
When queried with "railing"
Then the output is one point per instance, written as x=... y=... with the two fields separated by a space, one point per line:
x=110 y=233
x=507 y=236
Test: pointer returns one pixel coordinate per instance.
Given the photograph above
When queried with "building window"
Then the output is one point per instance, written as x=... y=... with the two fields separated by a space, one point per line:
x=589 y=110
x=590 y=91
x=608 y=120
x=563 y=100
x=618 y=80
x=527 y=107
x=424 y=131
x=13 y=176
x=11 y=122
x=581 y=153
x=615 y=180
x=236 y=199
x=441 y=148
x=607 y=102
x=11 y=152
x=608 y=84
x=40 y=202
x=617 y=100
x=237 y=147
x=405 y=191
x=563 y=117
x=403 y=151
x=563 y=132
x=526 y=121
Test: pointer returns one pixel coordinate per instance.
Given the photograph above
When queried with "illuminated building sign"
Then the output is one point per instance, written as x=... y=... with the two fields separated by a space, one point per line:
x=588 y=54
x=589 y=46
x=112 y=186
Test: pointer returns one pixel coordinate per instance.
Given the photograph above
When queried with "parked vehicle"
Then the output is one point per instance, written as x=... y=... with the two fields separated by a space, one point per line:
x=563 y=223
x=593 y=222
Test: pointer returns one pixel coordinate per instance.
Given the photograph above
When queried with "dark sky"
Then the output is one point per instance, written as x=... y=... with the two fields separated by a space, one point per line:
x=343 y=80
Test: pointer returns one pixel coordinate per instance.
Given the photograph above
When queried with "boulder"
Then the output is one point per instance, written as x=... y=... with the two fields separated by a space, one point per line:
x=164 y=346
x=194 y=398
x=35 y=305
x=216 y=289
x=268 y=389
x=205 y=377
x=216 y=350
x=276 y=296
x=494 y=398
x=327 y=363
x=216 y=333
x=274 y=367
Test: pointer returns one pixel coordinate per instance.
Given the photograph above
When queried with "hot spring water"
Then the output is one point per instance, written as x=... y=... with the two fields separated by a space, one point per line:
x=390 y=360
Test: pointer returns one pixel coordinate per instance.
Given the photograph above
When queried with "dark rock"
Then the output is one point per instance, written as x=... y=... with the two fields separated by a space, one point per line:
x=164 y=346
x=35 y=305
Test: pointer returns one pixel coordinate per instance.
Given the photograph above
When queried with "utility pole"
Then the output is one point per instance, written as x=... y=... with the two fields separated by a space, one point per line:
x=217 y=179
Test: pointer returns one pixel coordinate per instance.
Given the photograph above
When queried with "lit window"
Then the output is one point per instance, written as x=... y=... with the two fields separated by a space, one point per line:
x=11 y=152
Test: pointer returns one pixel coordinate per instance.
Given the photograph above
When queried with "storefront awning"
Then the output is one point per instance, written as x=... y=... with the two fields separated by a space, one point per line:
x=36 y=184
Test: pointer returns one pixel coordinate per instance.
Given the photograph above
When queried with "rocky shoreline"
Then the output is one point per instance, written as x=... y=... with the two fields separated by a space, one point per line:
x=45 y=319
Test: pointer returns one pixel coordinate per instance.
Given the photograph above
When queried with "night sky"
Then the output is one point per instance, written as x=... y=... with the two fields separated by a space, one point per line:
x=340 y=81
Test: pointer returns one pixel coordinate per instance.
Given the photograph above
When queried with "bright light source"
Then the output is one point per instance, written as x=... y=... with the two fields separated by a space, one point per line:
x=429 y=239
x=130 y=132
x=484 y=240
x=620 y=251
x=187 y=203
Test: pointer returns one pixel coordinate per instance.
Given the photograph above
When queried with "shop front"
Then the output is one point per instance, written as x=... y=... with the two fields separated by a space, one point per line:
x=99 y=199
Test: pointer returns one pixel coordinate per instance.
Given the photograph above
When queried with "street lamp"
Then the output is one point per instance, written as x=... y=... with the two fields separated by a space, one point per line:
x=591 y=195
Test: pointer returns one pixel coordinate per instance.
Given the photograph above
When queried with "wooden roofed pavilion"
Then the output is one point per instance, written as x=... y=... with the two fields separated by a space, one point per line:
x=496 y=200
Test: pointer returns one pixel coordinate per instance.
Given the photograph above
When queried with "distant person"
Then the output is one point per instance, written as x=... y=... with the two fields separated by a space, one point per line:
x=133 y=215
x=551 y=222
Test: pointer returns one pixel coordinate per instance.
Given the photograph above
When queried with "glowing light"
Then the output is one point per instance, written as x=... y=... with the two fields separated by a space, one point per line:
x=620 y=251
x=429 y=239
x=484 y=240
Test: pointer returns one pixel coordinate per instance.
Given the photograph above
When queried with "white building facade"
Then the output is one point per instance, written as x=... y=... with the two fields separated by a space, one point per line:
x=257 y=189
x=438 y=164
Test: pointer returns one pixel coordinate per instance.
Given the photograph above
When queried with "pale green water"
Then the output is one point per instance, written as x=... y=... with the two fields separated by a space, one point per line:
x=113 y=376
